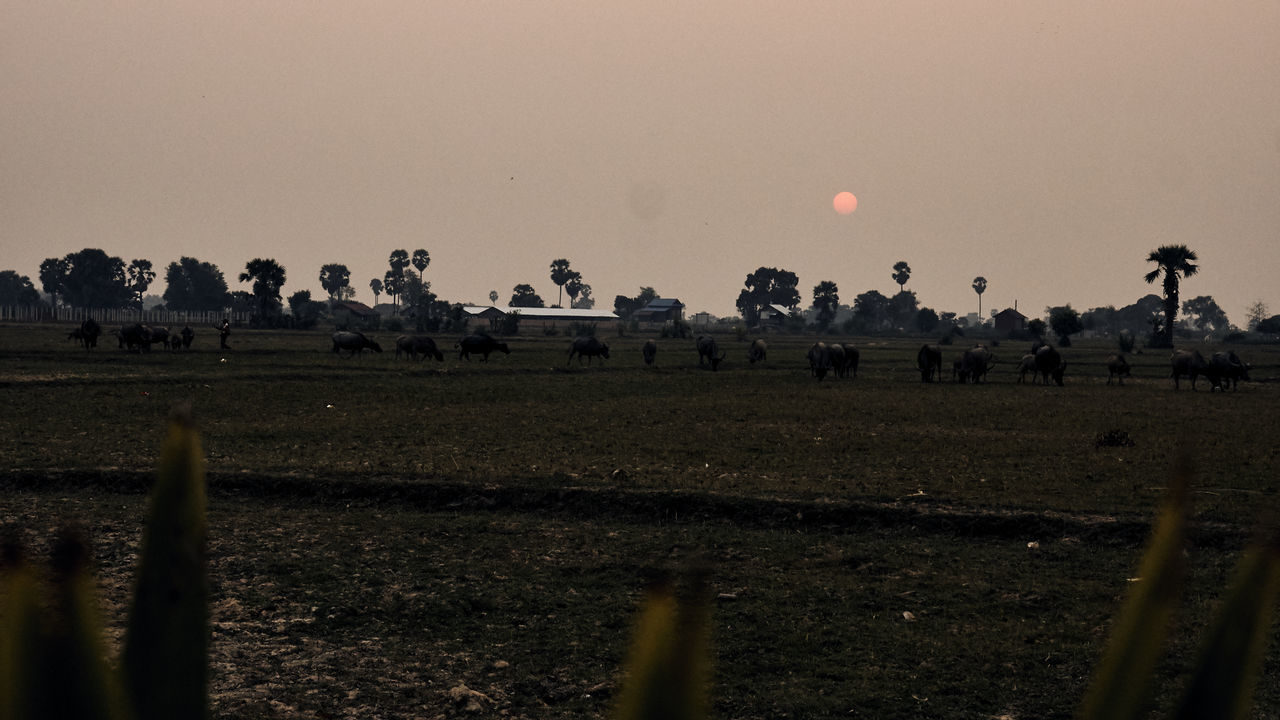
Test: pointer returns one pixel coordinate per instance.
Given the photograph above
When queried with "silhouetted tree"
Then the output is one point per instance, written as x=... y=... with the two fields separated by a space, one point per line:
x=17 y=289
x=268 y=278
x=560 y=275
x=767 y=286
x=421 y=259
x=576 y=288
x=140 y=277
x=826 y=298
x=901 y=274
x=191 y=286
x=1065 y=322
x=1269 y=326
x=393 y=285
x=523 y=295
x=1036 y=327
x=1257 y=313
x=333 y=278
x=493 y=297
x=926 y=320
x=1174 y=262
x=376 y=286
x=625 y=306
x=979 y=286
x=90 y=279
x=871 y=310
x=1208 y=316
x=903 y=308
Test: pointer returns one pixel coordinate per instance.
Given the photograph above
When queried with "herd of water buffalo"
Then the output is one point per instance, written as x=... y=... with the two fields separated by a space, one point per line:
x=1044 y=362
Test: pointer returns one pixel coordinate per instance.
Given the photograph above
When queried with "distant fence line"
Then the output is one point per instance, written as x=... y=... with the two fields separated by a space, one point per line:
x=119 y=316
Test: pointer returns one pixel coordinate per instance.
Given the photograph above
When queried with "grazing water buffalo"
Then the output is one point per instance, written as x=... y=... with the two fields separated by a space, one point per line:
x=1027 y=365
x=354 y=342
x=1117 y=367
x=481 y=345
x=851 y=358
x=1190 y=363
x=756 y=351
x=187 y=335
x=160 y=335
x=134 y=337
x=929 y=360
x=90 y=331
x=414 y=345
x=1226 y=368
x=1049 y=362
x=974 y=364
x=819 y=357
x=650 y=351
x=710 y=351
x=589 y=347
x=837 y=353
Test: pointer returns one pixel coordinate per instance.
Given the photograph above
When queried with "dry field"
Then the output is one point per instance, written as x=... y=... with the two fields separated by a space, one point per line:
x=383 y=532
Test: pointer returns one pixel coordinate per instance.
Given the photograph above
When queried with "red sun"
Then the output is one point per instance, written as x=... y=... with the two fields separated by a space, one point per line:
x=845 y=203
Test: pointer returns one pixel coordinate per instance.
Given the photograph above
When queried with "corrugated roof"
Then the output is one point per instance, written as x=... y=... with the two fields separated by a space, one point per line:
x=663 y=304
x=546 y=313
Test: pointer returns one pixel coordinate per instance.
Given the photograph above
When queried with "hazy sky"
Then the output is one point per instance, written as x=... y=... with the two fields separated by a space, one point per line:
x=1048 y=146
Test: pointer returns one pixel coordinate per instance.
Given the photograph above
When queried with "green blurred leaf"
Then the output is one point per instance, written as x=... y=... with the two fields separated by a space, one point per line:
x=1119 y=691
x=166 y=645
x=668 y=669
x=23 y=640
x=1222 y=683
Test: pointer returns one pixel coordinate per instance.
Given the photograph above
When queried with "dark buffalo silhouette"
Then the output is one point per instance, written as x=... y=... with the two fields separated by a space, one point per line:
x=819 y=357
x=837 y=354
x=187 y=336
x=353 y=342
x=1226 y=368
x=757 y=351
x=851 y=358
x=89 y=331
x=589 y=347
x=1189 y=363
x=929 y=361
x=1049 y=363
x=134 y=337
x=1117 y=367
x=975 y=363
x=650 y=351
x=160 y=336
x=481 y=345
x=414 y=345
x=710 y=351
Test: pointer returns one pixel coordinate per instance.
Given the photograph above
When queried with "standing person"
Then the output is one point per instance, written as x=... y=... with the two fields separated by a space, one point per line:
x=223 y=331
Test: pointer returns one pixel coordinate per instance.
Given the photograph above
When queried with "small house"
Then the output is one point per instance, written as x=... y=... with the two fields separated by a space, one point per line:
x=661 y=310
x=1009 y=320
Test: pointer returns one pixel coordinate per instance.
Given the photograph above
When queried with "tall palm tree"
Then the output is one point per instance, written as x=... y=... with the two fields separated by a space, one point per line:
x=901 y=274
x=1174 y=262
x=560 y=274
x=979 y=286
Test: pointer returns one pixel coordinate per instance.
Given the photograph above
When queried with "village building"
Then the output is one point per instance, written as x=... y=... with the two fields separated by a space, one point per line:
x=540 y=318
x=660 y=311
x=1009 y=320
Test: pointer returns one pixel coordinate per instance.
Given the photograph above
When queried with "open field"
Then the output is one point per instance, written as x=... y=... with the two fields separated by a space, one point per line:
x=383 y=531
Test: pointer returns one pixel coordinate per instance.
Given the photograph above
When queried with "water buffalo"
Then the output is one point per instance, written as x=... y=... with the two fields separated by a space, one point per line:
x=413 y=345
x=974 y=364
x=710 y=351
x=354 y=342
x=1027 y=365
x=1117 y=367
x=1226 y=368
x=756 y=351
x=134 y=337
x=1190 y=363
x=837 y=354
x=187 y=335
x=589 y=347
x=90 y=331
x=160 y=335
x=819 y=357
x=1049 y=362
x=650 y=351
x=929 y=360
x=851 y=358
x=481 y=345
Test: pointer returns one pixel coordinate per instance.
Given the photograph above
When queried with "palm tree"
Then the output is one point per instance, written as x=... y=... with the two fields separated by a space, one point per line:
x=267 y=277
x=560 y=274
x=1174 y=262
x=826 y=299
x=979 y=286
x=421 y=259
x=902 y=273
x=493 y=297
x=376 y=286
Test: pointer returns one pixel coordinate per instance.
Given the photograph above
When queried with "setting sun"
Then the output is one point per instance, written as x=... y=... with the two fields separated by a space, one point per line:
x=845 y=203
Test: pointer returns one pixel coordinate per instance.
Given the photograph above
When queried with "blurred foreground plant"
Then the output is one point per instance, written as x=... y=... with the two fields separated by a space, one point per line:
x=1230 y=657
x=52 y=663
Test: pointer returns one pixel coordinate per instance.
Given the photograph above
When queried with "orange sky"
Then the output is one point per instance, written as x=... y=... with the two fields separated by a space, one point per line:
x=1047 y=146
